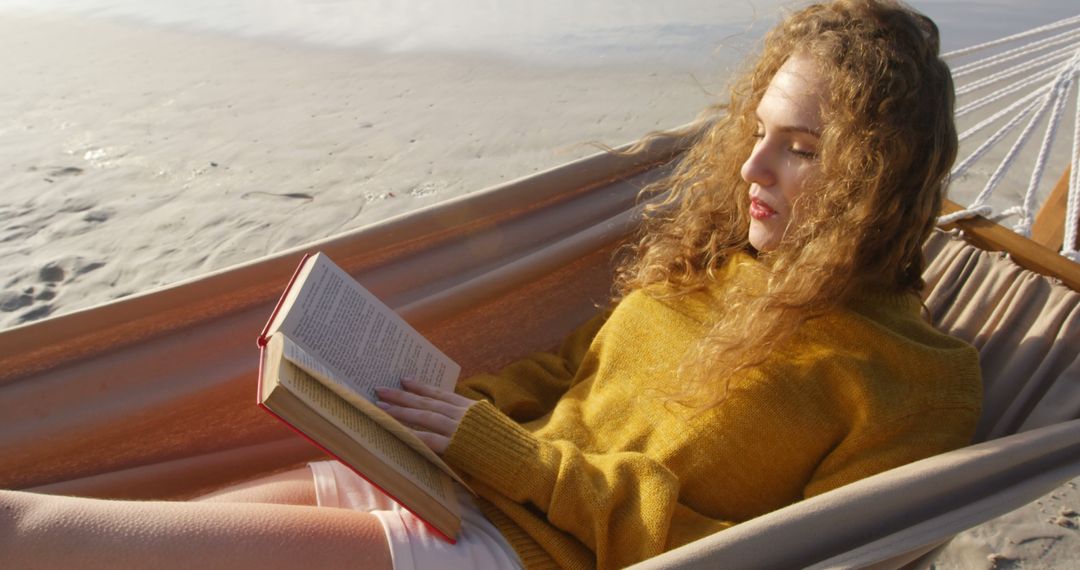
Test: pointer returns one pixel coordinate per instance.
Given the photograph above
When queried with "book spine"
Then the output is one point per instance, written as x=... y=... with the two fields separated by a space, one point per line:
x=262 y=340
x=433 y=528
x=259 y=378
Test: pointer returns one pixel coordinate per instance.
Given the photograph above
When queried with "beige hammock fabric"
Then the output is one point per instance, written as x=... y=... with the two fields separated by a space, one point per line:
x=153 y=396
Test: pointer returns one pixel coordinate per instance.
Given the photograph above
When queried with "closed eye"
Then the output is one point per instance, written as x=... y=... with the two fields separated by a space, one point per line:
x=806 y=154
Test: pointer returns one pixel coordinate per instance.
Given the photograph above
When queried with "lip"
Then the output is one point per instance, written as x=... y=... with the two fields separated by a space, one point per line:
x=759 y=210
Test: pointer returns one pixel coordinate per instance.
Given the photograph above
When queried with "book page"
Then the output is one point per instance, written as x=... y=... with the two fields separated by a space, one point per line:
x=358 y=338
x=296 y=355
x=365 y=430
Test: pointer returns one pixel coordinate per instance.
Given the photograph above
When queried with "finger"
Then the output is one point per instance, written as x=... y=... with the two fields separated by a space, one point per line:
x=434 y=441
x=436 y=393
x=411 y=400
x=424 y=419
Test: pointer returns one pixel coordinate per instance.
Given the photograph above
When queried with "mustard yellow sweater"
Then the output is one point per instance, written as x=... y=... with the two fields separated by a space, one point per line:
x=581 y=464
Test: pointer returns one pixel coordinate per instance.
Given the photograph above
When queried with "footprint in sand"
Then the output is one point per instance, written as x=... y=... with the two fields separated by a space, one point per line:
x=52 y=272
x=39 y=312
x=34 y=300
x=98 y=216
x=14 y=300
x=58 y=172
x=11 y=301
x=66 y=171
x=77 y=204
x=65 y=269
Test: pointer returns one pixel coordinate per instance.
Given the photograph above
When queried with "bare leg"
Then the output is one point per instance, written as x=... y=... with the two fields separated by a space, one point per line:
x=43 y=531
x=294 y=487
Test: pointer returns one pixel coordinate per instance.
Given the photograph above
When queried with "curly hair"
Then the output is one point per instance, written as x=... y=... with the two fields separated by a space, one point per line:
x=885 y=151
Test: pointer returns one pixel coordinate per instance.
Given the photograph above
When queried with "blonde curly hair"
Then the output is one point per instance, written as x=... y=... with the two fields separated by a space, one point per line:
x=885 y=152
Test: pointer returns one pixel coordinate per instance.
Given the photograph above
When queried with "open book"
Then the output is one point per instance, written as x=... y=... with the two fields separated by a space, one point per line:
x=327 y=346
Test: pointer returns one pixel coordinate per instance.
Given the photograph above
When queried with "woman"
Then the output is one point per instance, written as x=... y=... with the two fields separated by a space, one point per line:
x=767 y=346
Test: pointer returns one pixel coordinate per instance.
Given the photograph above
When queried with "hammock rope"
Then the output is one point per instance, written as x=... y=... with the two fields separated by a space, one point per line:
x=1010 y=110
x=1058 y=95
x=1015 y=53
x=1018 y=36
x=995 y=96
x=1022 y=67
x=1051 y=66
x=961 y=168
x=1072 y=210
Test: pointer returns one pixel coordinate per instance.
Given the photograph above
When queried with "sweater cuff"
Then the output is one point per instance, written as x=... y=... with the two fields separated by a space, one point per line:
x=490 y=447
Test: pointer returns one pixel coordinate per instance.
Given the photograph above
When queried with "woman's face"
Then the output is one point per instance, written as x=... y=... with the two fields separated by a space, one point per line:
x=785 y=154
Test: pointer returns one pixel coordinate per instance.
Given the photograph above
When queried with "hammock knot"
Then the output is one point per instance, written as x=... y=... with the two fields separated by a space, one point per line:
x=981 y=210
x=1023 y=227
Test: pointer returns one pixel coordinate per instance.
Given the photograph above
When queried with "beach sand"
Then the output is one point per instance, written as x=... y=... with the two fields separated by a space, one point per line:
x=135 y=158
x=139 y=157
x=1043 y=534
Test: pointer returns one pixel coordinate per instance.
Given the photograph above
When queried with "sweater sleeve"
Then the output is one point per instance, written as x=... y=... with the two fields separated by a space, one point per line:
x=530 y=387
x=622 y=505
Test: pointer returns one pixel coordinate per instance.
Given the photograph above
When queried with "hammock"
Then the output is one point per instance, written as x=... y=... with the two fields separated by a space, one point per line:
x=152 y=396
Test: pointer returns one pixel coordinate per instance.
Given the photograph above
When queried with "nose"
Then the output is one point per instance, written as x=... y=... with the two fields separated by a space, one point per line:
x=758 y=168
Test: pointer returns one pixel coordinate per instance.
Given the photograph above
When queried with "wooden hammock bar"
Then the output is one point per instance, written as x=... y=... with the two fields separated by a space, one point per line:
x=1038 y=254
x=1049 y=226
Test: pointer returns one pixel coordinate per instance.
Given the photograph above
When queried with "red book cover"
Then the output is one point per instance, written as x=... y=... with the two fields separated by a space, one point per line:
x=261 y=341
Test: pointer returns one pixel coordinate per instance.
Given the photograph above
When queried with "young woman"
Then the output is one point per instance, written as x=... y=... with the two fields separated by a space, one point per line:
x=767 y=346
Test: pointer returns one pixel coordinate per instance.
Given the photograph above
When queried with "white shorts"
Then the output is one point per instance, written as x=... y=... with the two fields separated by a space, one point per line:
x=414 y=546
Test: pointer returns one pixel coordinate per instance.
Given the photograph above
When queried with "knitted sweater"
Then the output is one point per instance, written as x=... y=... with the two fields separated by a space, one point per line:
x=581 y=462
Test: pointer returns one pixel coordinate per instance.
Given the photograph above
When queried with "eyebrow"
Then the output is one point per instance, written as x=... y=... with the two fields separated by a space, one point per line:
x=793 y=128
x=799 y=129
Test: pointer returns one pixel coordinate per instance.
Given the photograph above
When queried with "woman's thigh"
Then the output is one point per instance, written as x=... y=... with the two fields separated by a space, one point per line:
x=53 y=531
x=294 y=487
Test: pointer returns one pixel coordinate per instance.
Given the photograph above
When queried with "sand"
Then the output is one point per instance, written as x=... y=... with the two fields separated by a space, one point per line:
x=134 y=158
x=137 y=157
x=1043 y=534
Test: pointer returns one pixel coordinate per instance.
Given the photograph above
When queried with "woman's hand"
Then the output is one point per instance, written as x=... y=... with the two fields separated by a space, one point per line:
x=432 y=413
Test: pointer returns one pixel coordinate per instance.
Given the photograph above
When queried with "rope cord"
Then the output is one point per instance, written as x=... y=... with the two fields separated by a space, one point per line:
x=969 y=212
x=1004 y=92
x=1010 y=157
x=996 y=59
x=1032 y=32
x=989 y=143
x=1059 y=95
x=1006 y=111
x=980 y=206
x=1072 y=209
x=1022 y=67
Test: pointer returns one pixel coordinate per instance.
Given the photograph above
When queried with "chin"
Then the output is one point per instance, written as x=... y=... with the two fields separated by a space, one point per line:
x=761 y=238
